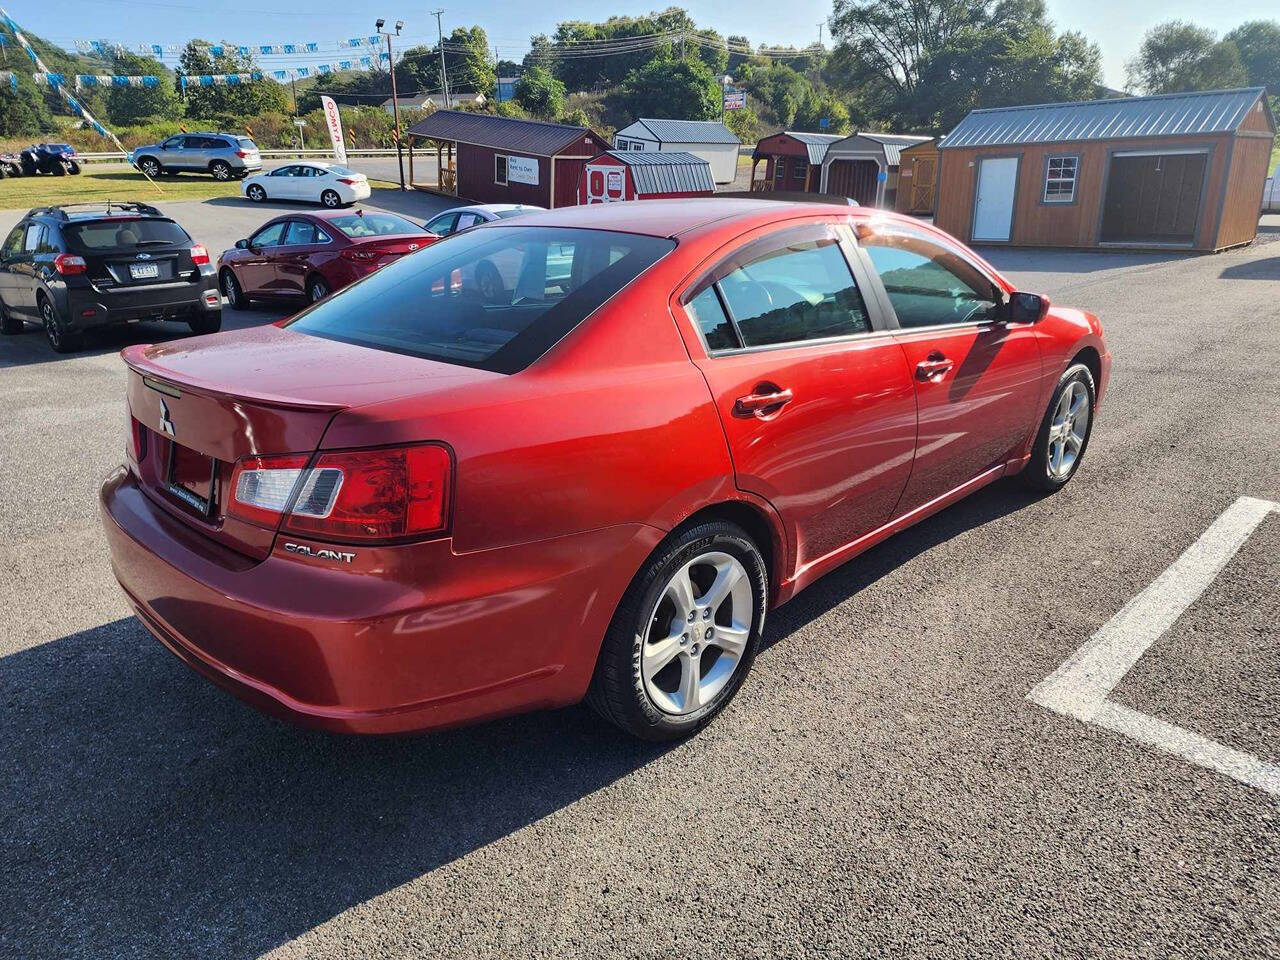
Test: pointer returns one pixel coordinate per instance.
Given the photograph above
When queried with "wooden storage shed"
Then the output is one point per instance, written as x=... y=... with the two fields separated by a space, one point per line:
x=1180 y=170
x=632 y=175
x=792 y=161
x=918 y=179
x=864 y=167
x=709 y=139
x=490 y=159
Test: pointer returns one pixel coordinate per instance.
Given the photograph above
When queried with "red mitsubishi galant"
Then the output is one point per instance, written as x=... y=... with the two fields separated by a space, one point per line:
x=578 y=454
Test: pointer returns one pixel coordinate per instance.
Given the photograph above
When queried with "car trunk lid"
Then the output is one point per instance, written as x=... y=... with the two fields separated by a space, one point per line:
x=205 y=403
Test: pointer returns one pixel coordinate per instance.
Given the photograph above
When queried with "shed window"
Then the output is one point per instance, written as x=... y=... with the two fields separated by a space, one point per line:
x=1060 y=179
x=500 y=169
x=799 y=169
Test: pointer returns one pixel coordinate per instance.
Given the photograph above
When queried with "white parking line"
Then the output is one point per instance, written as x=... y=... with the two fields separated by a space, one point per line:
x=1080 y=687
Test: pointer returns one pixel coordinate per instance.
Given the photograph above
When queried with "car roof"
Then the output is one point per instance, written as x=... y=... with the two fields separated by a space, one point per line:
x=671 y=218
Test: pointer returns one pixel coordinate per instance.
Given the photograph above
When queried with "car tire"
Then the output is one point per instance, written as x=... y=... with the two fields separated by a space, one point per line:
x=657 y=679
x=151 y=167
x=317 y=289
x=58 y=169
x=331 y=199
x=255 y=192
x=1064 y=432
x=202 y=322
x=489 y=281
x=9 y=324
x=72 y=167
x=60 y=338
x=221 y=170
x=232 y=290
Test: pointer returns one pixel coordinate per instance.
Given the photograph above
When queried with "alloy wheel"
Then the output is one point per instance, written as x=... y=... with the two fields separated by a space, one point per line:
x=151 y=168
x=231 y=289
x=318 y=290
x=221 y=171
x=1068 y=430
x=330 y=199
x=51 y=328
x=697 y=633
x=256 y=193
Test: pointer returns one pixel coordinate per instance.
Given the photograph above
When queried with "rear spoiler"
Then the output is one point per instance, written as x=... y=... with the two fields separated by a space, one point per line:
x=789 y=196
x=166 y=381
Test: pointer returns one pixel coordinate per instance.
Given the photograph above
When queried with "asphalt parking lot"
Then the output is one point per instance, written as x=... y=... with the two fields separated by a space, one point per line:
x=881 y=786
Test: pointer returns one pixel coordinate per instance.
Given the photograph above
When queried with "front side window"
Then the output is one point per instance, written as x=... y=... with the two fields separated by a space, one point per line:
x=269 y=236
x=290 y=171
x=496 y=299
x=173 y=143
x=500 y=169
x=1060 y=179
x=929 y=285
x=792 y=290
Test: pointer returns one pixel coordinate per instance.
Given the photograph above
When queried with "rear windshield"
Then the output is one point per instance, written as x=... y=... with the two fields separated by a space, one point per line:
x=106 y=236
x=356 y=225
x=341 y=171
x=505 y=214
x=496 y=298
x=246 y=143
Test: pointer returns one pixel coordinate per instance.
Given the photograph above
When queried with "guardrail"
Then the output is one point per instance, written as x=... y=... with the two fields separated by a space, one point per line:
x=115 y=156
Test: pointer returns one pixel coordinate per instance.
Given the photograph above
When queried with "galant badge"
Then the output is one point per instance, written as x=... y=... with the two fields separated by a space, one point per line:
x=166 y=425
x=142 y=256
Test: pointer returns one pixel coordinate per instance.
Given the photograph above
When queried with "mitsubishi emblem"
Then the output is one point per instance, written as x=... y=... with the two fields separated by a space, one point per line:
x=166 y=425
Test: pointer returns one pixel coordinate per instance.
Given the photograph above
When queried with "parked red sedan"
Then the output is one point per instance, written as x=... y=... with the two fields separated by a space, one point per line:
x=418 y=504
x=310 y=255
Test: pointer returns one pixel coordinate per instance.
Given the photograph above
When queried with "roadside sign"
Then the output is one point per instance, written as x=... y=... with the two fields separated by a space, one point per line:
x=735 y=100
x=334 y=121
x=824 y=123
x=882 y=176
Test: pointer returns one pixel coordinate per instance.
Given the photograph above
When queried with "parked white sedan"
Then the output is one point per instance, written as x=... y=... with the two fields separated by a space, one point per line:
x=324 y=183
x=459 y=218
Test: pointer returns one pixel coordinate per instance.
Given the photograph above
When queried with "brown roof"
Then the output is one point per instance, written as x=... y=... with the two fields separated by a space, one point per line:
x=502 y=133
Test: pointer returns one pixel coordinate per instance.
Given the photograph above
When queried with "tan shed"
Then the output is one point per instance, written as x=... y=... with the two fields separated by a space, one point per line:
x=918 y=179
x=1181 y=171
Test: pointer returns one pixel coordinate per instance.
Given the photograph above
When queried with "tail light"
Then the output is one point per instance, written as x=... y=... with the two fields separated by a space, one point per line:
x=360 y=254
x=241 y=154
x=362 y=496
x=137 y=439
x=68 y=264
x=348 y=181
x=199 y=254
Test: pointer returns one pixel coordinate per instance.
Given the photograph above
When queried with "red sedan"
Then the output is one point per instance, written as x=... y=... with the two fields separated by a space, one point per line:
x=427 y=500
x=310 y=255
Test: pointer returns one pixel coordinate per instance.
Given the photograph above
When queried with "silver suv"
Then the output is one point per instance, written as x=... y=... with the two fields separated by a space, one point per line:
x=224 y=155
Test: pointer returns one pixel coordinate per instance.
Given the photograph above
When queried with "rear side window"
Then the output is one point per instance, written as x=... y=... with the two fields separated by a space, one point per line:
x=35 y=233
x=792 y=290
x=104 y=236
x=496 y=299
x=711 y=319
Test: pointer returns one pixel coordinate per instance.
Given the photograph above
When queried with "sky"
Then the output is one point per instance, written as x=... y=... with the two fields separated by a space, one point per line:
x=1117 y=27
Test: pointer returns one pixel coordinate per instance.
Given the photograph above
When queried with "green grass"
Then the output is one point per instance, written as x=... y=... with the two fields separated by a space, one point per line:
x=113 y=183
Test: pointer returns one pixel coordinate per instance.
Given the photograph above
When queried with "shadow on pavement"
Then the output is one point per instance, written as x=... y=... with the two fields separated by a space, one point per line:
x=147 y=813
x=1073 y=261
x=414 y=204
x=31 y=347
x=1268 y=269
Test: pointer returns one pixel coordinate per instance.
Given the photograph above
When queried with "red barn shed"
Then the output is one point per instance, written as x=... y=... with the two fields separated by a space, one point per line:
x=506 y=160
x=633 y=175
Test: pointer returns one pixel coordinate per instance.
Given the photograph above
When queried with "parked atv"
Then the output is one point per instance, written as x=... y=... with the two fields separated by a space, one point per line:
x=10 y=165
x=55 y=158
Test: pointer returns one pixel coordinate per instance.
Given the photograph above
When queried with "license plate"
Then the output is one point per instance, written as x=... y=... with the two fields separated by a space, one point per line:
x=144 y=271
x=191 y=477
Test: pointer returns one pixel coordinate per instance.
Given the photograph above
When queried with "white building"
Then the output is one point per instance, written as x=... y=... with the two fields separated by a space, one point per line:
x=435 y=99
x=709 y=139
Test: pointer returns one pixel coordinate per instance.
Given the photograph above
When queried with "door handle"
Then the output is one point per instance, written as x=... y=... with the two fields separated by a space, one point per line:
x=765 y=401
x=935 y=366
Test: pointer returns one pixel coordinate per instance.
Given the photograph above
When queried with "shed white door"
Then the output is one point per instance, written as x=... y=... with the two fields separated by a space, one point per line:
x=993 y=206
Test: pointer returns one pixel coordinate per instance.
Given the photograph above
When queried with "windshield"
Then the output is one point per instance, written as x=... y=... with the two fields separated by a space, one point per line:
x=357 y=225
x=497 y=298
x=106 y=236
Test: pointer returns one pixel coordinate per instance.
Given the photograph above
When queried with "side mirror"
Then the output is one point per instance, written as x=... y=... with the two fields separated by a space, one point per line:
x=242 y=244
x=1026 y=308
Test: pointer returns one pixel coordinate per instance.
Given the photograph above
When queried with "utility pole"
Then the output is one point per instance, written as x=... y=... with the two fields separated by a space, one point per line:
x=820 y=26
x=395 y=101
x=444 y=73
x=293 y=83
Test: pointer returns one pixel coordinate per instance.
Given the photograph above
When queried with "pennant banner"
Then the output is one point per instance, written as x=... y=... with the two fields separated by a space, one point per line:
x=104 y=48
x=218 y=79
x=10 y=76
x=294 y=73
x=114 y=80
x=58 y=85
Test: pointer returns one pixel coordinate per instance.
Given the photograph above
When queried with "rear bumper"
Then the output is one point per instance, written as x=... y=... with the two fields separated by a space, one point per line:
x=87 y=307
x=442 y=639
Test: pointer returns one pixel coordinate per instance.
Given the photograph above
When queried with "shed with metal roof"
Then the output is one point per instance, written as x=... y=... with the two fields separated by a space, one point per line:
x=639 y=175
x=864 y=166
x=792 y=161
x=492 y=159
x=1181 y=170
x=709 y=139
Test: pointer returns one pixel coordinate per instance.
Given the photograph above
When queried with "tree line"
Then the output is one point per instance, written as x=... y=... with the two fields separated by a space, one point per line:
x=905 y=65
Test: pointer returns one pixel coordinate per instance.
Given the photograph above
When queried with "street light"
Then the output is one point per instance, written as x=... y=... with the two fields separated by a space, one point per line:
x=395 y=102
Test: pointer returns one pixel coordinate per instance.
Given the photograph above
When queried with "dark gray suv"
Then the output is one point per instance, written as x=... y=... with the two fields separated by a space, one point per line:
x=224 y=155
